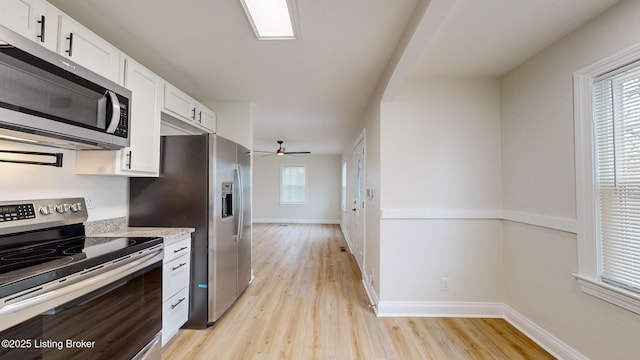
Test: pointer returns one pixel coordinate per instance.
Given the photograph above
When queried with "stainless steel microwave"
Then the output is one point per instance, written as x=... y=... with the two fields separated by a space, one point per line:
x=48 y=99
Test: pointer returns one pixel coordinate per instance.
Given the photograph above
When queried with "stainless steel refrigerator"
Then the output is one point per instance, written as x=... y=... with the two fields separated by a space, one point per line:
x=204 y=183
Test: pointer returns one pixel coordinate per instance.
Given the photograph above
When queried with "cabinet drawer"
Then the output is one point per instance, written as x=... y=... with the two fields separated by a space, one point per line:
x=175 y=275
x=175 y=313
x=177 y=249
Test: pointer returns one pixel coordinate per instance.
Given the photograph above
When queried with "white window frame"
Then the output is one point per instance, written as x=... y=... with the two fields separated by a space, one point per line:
x=306 y=185
x=344 y=186
x=588 y=274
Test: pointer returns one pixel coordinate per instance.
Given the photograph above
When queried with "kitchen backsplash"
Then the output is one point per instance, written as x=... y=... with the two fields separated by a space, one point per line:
x=25 y=182
x=105 y=225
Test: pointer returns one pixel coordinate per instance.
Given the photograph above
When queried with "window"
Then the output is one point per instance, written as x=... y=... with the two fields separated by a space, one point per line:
x=344 y=186
x=617 y=157
x=607 y=120
x=293 y=185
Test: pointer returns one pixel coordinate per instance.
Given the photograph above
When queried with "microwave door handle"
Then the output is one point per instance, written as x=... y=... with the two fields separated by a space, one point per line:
x=115 y=113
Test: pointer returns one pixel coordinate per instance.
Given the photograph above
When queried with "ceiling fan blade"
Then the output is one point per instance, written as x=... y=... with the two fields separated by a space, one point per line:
x=297 y=152
x=267 y=155
x=262 y=151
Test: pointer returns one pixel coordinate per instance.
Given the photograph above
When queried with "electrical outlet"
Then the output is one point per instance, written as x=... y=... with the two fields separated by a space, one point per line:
x=444 y=284
x=88 y=199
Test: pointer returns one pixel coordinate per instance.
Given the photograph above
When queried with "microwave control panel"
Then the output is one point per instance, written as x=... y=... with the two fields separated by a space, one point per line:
x=123 y=125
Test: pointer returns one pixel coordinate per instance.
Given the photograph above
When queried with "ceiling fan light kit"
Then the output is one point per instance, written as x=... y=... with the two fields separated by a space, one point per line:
x=282 y=151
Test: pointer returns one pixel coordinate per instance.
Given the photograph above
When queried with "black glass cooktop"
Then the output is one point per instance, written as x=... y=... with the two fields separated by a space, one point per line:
x=34 y=258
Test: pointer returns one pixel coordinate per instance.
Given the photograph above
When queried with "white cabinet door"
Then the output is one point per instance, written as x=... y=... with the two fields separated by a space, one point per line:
x=85 y=48
x=179 y=103
x=146 y=87
x=176 y=275
x=33 y=19
x=175 y=312
x=142 y=158
x=205 y=118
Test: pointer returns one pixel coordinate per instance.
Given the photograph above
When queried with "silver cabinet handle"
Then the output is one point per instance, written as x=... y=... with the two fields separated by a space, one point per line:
x=182 y=248
x=70 y=51
x=42 y=23
x=129 y=160
x=178 y=303
x=178 y=267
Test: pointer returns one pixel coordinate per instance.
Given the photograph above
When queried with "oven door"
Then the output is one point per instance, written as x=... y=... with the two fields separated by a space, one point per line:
x=118 y=320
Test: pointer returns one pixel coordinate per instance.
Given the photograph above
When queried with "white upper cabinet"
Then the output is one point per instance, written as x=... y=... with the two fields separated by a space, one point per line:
x=85 y=48
x=34 y=19
x=205 y=117
x=178 y=103
x=186 y=113
x=142 y=158
x=146 y=88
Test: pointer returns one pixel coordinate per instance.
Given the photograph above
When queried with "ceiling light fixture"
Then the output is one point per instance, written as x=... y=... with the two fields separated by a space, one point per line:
x=271 y=19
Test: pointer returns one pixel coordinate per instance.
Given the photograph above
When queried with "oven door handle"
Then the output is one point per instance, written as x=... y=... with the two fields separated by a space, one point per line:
x=58 y=294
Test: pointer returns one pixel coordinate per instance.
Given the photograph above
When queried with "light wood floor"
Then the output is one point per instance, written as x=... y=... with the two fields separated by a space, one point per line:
x=307 y=302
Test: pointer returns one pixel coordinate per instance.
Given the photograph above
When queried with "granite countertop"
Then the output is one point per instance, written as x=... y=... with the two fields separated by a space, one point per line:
x=148 y=232
x=118 y=227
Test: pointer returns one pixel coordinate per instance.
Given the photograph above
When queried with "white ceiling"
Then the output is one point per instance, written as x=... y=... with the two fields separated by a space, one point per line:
x=310 y=92
x=487 y=38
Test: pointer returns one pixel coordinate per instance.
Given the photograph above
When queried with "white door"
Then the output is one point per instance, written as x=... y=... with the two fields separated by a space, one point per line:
x=357 y=208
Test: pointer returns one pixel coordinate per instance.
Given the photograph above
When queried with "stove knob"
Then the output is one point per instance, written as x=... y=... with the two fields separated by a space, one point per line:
x=61 y=208
x=45 y=210
x=76 y=207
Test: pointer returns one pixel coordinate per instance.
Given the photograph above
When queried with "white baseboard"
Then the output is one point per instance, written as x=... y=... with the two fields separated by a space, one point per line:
x=346 y=238
x=439 y=309
x=536 y=333
x=296 y=221
x=542 y=337
x=371 y=293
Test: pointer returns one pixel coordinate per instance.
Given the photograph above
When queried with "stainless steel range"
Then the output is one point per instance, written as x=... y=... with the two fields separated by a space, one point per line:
x=64 y=295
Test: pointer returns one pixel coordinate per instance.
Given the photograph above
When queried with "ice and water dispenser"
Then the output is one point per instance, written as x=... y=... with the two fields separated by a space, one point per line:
x=227 y=199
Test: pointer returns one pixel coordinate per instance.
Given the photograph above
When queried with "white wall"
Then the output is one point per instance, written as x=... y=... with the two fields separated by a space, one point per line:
x=538 y=178
x=324 y=183
x=441 y=145
x=23 y=182
x=416 y=254
x=440 y=158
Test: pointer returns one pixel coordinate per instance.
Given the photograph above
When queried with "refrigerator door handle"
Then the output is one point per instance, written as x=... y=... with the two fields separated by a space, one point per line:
x=238 y=204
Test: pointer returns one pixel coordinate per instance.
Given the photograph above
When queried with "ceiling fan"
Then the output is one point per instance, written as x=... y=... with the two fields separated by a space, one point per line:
x=281 y=151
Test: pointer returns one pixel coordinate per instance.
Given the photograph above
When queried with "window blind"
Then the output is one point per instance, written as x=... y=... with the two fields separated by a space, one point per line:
x=617 y=153
x=292 y=184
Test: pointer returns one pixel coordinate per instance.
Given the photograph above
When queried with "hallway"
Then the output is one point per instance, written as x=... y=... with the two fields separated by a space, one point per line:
x=307 y=302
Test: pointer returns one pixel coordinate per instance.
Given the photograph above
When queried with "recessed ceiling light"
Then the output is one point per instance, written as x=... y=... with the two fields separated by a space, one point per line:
x=270 y=19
